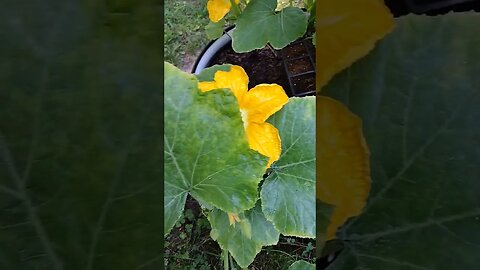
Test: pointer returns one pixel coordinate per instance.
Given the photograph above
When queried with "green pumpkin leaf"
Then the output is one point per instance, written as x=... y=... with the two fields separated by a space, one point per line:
x=259 y=24
x=288 y=193
x=243 y=247
x=302 y=265
x=214 y=30
x=206 y=150
x=208 y=74
x=80 y=135
x=418 y=95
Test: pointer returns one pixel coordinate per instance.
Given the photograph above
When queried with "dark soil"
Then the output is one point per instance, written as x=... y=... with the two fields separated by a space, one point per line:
x=262 y=66
x=300 y=66
x=294 y=62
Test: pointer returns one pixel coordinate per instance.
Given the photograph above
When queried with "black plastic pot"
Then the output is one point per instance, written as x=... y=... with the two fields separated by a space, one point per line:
x=297 y=62
x=213 y=47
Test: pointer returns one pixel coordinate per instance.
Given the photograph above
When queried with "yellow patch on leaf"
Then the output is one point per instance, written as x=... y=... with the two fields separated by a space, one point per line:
x=236 y=80
x=262 y=101
x=217 y=9
x=343 y=167
x=346 y=31
x=264 y=138
x=256 y=106
x=232 y=218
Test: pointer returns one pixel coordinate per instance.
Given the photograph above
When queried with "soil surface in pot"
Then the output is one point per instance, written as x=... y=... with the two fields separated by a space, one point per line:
x=269 y=66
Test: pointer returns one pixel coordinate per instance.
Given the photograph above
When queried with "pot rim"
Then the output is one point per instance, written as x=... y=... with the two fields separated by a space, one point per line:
x=212 y=48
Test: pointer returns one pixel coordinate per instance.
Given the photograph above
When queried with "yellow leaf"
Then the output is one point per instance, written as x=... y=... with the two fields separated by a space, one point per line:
x=264 y=138
x=217 y=9
x=236 y=80
x=346 y=31
x=232 y=218
x=262 y=101
x=343 y=167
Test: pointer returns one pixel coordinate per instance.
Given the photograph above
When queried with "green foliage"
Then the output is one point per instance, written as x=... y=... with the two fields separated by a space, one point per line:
x=418 y=97
x=262 y=22
x=208 y=125
x=288 y=193
x=214 y=30
x=302 y=265
x=243 y=246
x=199 y=159
x=259 y=24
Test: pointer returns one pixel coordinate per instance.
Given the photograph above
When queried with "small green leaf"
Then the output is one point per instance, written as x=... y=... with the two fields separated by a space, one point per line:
x=232 y=238
x=214 y=30
x=259 y=24
x=302 y=265
x=208 y=74
x=288 y=194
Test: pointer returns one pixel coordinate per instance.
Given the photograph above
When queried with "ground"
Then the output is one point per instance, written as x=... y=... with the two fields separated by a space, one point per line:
x=184 y=31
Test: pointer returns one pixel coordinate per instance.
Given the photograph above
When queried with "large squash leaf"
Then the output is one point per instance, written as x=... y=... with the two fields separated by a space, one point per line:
x=288 y=193
x=259 y=24
x=206 y=149
x=418 y=96
x=80 y=135
x=246 y=239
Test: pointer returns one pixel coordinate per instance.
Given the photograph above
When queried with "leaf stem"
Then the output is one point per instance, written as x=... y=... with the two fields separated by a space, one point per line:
x=235 y=8
x=231 y=261
x=225 y=259
x=272 y=49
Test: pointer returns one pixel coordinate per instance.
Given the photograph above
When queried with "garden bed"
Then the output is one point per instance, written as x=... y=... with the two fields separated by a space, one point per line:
x=189 y=245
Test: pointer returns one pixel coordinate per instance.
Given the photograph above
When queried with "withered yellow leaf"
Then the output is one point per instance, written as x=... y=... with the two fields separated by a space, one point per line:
x=343 y=167
x=346 y=31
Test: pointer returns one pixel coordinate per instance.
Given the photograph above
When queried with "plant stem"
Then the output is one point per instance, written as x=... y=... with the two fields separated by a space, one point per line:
x=235 y=8
x=231 y=262
x=272 y=49
x=225 y=259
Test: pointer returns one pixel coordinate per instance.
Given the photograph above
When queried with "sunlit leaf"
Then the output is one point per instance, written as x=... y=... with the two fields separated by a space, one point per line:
x=259 y=24
x=288 y=193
